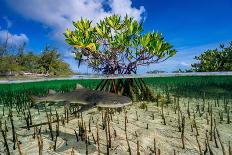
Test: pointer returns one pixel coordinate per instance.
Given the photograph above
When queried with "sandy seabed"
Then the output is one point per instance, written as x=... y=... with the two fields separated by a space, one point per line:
x=142 y=128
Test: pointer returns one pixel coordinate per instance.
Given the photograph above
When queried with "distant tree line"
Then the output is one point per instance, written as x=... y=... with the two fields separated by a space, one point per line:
x=155 y=71
x=213 y=60
x=182 y=71
x=16 y=59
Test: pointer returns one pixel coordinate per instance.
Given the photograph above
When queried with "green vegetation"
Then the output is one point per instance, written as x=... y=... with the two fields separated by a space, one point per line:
x=118 y=45
x=186 y=86
x=13 y=95
x=193 y=86
x=48 y=62
x=214 y=60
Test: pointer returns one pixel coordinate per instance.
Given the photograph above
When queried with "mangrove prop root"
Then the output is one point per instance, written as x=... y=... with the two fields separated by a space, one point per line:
x=76 y=136
x=98 y=143
x=158 y=151
x=188 y=110
x=45 y=123
x=57 y=134
x=230 y=150
x=58 y=124
x=108 y=124
x=90 y=124
x=206 y=148
x=94 y=141
x=18 y=144
x=6 y=128
x=195 y=124
x=86 y=141
x=179 y=126
x=207 y=140
x=199 y=146
x=211 y=123
x=222 y=146
x=133 y=88
x=228 y=115
x=128 y=144
x=163 y=117
x=103 y=121
x=182 y=132
x=137 y=118
x=40 y=142
x=174 y=152
x=138 y=152
x=154 y=146
x=13 y=129
x=214 y=134
x=106 y=132
x=34 y=133
x=50 y=125
x=115 y=133
x=5 y=140
x=207 y=118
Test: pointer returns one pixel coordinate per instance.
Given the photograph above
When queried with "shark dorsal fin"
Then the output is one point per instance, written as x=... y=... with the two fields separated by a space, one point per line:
x=78 y=86
x=51 y=92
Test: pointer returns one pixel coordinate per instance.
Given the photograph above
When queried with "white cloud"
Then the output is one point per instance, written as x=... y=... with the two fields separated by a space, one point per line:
x=8 y=22
x=184 y=64
x=123 y=7
x=13 y=39
x=59 y=14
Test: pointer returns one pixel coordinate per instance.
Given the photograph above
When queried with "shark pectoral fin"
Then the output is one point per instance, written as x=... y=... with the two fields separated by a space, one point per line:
x=85 y=108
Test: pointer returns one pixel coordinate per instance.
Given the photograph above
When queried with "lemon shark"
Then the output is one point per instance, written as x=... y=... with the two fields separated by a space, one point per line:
x=86 y=98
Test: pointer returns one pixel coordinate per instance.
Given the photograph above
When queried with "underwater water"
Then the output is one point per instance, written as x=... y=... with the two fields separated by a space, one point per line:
x=191 y=115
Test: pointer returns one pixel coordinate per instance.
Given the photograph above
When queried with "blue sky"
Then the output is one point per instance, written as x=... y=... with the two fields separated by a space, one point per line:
x=191 y=26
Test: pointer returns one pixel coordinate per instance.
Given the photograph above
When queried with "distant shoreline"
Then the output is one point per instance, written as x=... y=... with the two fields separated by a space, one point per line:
x=9 y=80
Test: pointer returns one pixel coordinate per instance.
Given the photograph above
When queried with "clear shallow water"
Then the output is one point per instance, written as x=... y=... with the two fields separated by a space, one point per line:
x=179 y=92
x=185 y=84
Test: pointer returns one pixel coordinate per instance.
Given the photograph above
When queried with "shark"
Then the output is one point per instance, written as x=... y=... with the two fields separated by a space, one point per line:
x=86 y=98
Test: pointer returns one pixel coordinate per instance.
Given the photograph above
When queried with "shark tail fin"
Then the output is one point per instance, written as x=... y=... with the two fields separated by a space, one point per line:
x=51 y=92
x=78 y=86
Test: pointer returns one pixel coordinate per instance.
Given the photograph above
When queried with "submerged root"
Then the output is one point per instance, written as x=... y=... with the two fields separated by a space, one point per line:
x=136 y=89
